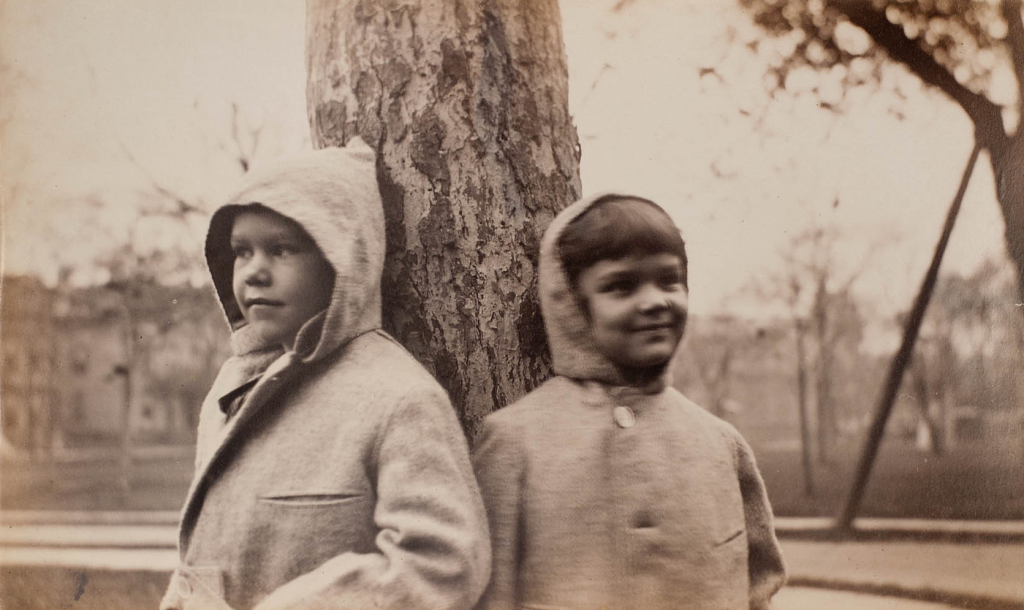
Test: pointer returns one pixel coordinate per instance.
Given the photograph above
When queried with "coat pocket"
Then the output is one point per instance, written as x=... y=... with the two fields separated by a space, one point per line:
x=731 y=537
x=729 y=559
x=310 y=499
x=296 y=531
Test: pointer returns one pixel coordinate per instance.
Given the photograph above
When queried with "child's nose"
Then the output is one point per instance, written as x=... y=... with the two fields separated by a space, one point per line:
x=652 y=298
x=257 y=271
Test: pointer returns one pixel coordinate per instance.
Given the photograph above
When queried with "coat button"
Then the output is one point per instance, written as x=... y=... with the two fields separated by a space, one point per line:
x=624 y=417
x=184 y=587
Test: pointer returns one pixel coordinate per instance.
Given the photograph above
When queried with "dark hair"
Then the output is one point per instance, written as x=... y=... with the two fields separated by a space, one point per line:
x=614 y=227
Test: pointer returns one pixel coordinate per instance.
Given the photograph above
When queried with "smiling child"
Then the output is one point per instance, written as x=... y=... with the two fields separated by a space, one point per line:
x=605 y=487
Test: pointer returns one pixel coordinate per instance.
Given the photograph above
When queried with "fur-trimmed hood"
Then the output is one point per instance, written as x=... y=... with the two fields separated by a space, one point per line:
x=333 y=194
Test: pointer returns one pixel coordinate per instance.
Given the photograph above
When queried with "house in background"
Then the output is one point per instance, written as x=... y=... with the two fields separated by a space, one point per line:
x=92 y=367
x=27 y=380
x=84 y=367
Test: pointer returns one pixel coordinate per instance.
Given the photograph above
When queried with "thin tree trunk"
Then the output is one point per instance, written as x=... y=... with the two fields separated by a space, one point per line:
x=899 y=362
x=805 y=426
x=826 y=404
x=130 y=334
x=826 y=419
x=1008 y=168
x=919 y=378
x=467 y=105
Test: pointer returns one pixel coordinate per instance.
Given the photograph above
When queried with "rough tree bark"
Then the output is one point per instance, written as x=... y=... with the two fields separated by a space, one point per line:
x=466 y=103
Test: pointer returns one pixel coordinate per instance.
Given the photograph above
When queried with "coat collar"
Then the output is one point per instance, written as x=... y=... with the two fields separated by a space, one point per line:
x=277 y=375
x=602 y=394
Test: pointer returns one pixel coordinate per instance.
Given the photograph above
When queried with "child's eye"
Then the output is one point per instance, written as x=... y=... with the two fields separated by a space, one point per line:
x=240 y=251
x=619 y=287
x=673 y=281
x=284 y=250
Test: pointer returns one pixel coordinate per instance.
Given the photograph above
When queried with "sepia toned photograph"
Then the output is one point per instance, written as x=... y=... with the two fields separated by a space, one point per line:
x=512 y=304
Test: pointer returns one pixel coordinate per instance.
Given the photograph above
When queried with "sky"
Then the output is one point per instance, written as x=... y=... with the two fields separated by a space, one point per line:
x=100 y=82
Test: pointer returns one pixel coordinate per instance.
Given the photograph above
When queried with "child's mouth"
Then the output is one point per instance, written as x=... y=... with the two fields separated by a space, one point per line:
x=653 y=327
x=260 y=302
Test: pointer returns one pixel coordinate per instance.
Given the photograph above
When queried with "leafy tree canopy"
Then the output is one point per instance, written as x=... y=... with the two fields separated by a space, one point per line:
x=972 y=50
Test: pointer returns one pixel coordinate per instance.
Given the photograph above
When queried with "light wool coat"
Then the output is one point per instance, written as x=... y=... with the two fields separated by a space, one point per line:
x=343 y=479
x=602 y=495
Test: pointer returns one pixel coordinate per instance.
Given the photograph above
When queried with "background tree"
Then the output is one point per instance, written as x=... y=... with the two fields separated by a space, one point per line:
x=714 y=367
x=971 y=350
x=143 y=249
x=931 y=411
x=790 y=293
x=975 y=318
x=467 y=106
x=970 y=50
x=818 y=293
x=712 y=357
x=158 y=254
x=11 y=79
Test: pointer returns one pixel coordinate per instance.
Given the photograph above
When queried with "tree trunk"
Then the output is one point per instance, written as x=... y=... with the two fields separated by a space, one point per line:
x=1006 y=151
x=922 y=393
x=805 y=426
x=826 y=409
x=130 y=334
x=466 y=104
x=1008 y=168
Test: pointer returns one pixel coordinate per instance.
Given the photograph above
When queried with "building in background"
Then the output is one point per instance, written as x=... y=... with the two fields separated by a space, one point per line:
x=101 y=366
x=27 y=380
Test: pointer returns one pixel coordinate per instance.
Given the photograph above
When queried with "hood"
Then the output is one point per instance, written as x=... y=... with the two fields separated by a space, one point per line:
x=332 y=193
x=574 y=353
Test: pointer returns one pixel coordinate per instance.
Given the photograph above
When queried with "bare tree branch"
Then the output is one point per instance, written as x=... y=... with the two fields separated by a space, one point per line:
x=244 y=151
x=593 y=86
x=184 y=207
x=237 y=140
x=984 y=114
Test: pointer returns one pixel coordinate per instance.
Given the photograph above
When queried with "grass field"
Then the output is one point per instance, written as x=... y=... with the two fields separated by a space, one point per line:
x=980 y=480
x=983 y=479
x=152 y=484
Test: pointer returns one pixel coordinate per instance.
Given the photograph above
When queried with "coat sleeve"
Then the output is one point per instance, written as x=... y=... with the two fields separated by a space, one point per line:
x=766 y=568
x=498 y=464
x=432 y=546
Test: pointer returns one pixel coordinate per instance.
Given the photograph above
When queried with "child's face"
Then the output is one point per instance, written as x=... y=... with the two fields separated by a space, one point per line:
x=637 y=307
x=281 y=279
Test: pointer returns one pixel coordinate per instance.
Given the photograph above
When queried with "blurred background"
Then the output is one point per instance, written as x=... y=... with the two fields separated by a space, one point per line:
x=810 y=193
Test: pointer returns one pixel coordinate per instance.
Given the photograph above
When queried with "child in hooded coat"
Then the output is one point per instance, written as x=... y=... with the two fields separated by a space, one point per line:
x=605 y=487
x=331 y=471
